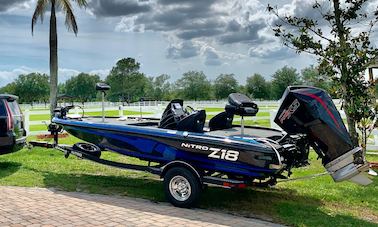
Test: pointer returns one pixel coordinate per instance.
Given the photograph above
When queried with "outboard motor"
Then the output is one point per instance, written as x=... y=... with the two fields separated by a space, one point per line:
x=311 y=111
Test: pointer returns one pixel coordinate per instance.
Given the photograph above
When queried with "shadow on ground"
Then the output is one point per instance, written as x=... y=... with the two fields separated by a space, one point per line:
x=8 y=168
x=271 y=204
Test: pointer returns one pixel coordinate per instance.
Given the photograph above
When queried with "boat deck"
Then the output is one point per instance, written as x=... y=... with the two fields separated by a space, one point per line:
x=248 y=131
x=153 y=123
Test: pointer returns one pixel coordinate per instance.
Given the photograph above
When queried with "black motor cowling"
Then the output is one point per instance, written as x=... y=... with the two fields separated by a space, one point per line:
x=311 y=111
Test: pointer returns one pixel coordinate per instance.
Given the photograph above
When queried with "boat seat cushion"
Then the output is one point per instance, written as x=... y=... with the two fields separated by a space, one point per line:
x=242 y=105
x=221 y=121
x=194 y=122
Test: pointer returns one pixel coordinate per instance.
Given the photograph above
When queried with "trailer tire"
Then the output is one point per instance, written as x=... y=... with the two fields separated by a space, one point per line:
x=182 y=188
x=88 y=148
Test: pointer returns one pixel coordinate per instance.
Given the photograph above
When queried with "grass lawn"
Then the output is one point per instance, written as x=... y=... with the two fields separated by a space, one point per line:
x=315 y=202
x=212 y=109
x=260 y=114
x=264 y=122
x=38 y=128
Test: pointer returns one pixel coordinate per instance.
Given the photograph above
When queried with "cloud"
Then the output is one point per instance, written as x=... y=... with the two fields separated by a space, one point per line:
x=63 y=74
x=103 y=73
x=237 y=33
x=216 y=23
x=127 y=24
x=115 y=8
x=182 y=50
x=272 y=52
x=9 y=76
x=205 y=32
x=7 y=4
x=211 y=56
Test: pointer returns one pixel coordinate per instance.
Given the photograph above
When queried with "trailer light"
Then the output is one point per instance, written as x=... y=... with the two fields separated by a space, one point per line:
x=242 y=186
x=226 y=184
x=230 y=185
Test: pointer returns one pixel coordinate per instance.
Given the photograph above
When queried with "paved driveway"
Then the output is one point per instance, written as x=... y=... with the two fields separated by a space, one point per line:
x=44 y=207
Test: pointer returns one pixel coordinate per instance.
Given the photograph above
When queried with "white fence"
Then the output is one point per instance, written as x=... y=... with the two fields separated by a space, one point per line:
x=155 y=108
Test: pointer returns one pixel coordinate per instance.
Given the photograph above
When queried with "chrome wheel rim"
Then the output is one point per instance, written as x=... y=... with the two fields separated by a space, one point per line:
x=179 y=188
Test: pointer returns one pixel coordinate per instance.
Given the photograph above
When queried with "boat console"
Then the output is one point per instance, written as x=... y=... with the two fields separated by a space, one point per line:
x=177 y=118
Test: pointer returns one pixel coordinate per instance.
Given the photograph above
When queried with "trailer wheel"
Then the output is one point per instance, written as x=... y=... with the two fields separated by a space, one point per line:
x=88 y=148
x=182 y=188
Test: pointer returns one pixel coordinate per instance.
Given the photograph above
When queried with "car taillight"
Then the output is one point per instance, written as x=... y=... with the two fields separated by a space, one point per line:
x=10 y=125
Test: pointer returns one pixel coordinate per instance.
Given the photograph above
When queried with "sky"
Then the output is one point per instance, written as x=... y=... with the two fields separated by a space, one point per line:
x=165 y=36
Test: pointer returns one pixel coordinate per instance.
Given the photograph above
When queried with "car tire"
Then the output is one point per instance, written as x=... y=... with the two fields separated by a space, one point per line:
x=88 y=148
x=182 y=187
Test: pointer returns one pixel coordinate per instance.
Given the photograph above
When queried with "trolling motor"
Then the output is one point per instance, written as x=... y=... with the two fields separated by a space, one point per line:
x=103 y=88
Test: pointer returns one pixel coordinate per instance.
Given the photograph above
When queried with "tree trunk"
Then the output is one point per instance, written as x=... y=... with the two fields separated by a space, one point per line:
x=53 y=60
x=344 y=72
x=352 y=129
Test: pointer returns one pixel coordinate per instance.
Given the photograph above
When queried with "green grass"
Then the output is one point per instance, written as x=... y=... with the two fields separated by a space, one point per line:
x=260 y=114
x=38 y=128
x=213 y=109
x=264 y=123
x=259 y=122
x=315 y=202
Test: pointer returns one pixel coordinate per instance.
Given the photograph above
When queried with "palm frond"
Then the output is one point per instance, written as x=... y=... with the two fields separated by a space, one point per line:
x=38 y=13
x=82 y=3
x=70 y=16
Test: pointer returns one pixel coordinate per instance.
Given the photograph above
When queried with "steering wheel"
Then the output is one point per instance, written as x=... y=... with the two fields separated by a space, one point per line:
x=65 y=110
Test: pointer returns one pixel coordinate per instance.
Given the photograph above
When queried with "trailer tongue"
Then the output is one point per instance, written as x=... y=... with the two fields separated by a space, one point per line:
x=311 y=111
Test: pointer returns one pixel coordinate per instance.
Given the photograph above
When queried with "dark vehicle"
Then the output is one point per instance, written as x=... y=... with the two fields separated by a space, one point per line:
x=188 y=153
x=12 y=132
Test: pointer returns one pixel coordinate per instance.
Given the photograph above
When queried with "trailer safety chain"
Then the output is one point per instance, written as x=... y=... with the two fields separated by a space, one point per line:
x=303 y=178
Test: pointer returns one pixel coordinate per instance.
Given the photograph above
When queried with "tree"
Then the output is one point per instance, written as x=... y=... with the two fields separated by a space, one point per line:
x=194 y=85
x=312 y=77
x=32 y=87
x=224 y=84
x=160 y=87
x=258 y=87
x=344 y=50
x=9 y=88
x=283 y=78
x=82 y=87
x=61 y=88
x=66 y=7
x=127 y=83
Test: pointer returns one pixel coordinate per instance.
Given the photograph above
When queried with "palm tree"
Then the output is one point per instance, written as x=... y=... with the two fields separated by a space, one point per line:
x=66 y=7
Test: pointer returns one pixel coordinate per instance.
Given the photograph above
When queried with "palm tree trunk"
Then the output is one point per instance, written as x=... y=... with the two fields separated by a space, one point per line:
x=53 y=60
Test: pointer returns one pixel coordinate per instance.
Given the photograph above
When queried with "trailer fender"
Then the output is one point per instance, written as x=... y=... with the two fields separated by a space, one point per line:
x=177 y=163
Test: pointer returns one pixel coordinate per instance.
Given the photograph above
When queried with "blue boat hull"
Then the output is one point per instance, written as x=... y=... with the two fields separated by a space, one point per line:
x=205 y=152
